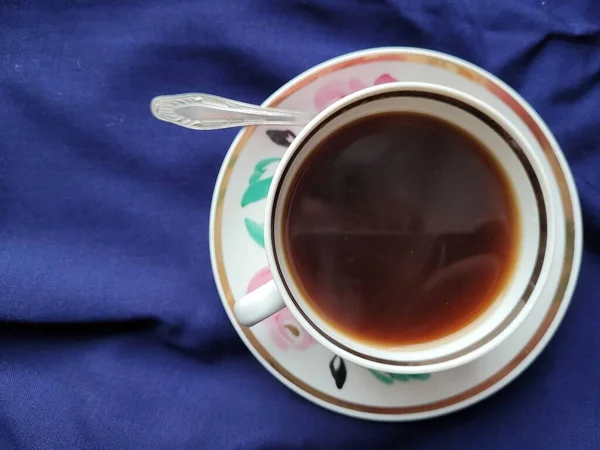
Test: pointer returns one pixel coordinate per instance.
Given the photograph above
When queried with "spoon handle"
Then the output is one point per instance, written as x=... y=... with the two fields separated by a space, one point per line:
x=209 y=112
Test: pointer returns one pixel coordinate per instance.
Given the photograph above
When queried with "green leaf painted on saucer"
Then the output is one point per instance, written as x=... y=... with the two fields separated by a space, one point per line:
x=382 y=376
x=258 y=187
x=400 y=377
x=256 y=192
x=388 y=378
x=421 y=376
x=260 y=168
x=256 y=232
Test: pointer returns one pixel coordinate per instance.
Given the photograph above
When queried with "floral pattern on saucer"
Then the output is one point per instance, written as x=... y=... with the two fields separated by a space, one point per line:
x=279 y=343
x=336 y=90
x=284 y=329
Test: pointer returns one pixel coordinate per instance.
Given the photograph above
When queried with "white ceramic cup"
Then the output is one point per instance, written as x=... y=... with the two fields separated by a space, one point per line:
x=536 y=224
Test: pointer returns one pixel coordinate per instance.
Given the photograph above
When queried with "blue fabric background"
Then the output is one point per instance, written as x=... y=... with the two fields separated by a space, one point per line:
x=112 y=334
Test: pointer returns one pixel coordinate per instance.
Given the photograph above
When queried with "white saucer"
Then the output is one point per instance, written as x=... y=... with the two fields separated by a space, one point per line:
x=288 y=352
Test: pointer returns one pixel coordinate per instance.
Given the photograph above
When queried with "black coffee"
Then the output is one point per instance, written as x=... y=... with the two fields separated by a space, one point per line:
x=401 y=229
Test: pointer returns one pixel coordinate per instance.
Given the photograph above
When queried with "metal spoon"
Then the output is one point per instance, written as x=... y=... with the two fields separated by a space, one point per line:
x=209 y=112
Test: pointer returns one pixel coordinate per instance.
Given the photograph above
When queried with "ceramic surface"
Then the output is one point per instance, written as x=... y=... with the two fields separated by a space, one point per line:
x=280 y=344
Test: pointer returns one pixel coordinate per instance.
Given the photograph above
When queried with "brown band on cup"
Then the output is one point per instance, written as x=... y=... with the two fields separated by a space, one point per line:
x=543 y=221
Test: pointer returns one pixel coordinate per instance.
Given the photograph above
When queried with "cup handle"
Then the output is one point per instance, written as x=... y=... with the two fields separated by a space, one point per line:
x=259 y=304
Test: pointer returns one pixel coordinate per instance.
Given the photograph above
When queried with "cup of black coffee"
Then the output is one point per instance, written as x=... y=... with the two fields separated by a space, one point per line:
x=409 y=228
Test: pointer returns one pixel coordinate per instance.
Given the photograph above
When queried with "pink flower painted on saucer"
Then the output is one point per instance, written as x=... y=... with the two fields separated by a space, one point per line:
x=286 y=332
x=284 y=329
x=261 y=277
x=335 y=90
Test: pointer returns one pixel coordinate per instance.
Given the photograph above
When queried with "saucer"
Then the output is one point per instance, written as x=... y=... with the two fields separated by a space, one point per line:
x=280 y=344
